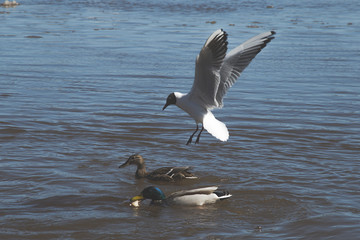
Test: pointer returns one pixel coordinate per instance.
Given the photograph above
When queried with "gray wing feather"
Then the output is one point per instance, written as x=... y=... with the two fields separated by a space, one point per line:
x=237 y=60
x=207 y=69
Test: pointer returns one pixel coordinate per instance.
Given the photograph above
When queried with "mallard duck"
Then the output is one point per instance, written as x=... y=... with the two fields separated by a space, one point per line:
x=193 y=197
x=169 y=174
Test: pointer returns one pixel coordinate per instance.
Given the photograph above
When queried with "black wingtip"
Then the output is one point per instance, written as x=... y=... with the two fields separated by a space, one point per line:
x=269 y=38
x=225 y=33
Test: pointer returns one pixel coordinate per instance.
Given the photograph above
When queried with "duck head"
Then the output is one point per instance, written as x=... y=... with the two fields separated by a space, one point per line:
x=171 y=99
x=153 y=193
x=135 y=159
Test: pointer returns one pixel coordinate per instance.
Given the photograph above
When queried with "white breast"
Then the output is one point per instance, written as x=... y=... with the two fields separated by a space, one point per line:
x=196 y=111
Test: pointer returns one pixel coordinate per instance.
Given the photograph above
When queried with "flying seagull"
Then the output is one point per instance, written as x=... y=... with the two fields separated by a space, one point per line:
x=215 y=73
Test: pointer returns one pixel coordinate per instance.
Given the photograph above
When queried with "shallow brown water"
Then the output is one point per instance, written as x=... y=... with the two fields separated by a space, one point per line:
x=82 y=87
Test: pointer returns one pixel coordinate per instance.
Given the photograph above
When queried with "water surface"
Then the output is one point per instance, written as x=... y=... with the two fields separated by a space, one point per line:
x=82 y=87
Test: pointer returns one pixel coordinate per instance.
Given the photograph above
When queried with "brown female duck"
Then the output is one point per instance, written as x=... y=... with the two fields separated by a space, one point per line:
x=169 y=174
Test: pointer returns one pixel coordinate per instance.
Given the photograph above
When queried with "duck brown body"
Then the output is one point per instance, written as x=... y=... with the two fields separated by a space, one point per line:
x=168 y=174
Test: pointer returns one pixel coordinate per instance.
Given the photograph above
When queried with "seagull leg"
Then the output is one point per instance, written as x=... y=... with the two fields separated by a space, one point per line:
x=190 y=139
x=198 y=137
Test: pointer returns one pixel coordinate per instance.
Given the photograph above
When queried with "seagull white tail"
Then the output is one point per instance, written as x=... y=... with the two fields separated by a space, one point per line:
x=215 y=127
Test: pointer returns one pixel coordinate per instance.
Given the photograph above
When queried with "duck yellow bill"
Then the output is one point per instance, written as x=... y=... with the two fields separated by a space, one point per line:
x=137 y=198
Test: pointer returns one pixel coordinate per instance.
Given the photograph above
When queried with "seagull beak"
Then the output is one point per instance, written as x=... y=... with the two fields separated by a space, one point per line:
x=165 y=106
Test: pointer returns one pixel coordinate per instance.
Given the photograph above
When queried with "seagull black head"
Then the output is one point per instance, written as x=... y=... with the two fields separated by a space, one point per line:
x=171 y=99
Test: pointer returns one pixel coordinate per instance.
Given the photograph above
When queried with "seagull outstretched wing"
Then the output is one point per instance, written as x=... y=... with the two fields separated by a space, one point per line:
x=207 y=70
x=237 y=60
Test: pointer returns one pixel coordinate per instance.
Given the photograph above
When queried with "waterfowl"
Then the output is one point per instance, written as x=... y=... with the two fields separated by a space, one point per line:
x=8 y=3
x=193 y=197
x=215 y=73
x=169 y=174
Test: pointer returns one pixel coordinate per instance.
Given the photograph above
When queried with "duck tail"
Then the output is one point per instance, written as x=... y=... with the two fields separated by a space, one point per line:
x=223 y=194
x=191 y=177
x=215 y=127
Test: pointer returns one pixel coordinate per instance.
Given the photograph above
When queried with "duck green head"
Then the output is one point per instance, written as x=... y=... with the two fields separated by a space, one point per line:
x=153 y=193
